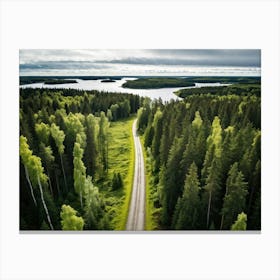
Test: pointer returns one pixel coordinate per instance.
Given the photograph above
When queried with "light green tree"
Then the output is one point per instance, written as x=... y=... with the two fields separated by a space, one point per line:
x=34 y=173
x=94 y=205
x=79 y=171
x=43 y=132
x=25 y=154
x=69 y=219
x=48 y=160
x=240 y=223
x=59 y=136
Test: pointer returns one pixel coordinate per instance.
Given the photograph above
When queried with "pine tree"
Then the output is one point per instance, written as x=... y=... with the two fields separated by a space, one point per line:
x=235 y=197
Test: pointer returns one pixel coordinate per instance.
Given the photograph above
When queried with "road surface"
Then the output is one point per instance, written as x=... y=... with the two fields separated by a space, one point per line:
x=136 y=215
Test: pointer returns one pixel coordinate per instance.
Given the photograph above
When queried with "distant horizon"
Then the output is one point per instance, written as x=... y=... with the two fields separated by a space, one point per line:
x=131 y=76
x=143 y=62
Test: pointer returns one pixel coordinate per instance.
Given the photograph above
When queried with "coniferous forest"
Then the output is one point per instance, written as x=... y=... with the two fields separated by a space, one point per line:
x=205 y=162
x=202 y=159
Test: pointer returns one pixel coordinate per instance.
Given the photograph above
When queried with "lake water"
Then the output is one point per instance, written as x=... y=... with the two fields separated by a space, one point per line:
x=166 y=94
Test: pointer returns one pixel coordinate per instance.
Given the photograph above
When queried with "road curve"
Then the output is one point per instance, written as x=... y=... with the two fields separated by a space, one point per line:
x=136 y=215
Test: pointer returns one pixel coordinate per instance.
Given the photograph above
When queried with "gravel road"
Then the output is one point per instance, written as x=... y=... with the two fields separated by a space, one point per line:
x=136 y=215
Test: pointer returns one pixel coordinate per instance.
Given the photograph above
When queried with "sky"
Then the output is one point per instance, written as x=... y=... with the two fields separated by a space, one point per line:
x=153 y=62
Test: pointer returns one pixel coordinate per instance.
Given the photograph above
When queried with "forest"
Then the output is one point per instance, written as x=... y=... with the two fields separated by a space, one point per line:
x=162 y=82
x=70 y=176
x=203 y=157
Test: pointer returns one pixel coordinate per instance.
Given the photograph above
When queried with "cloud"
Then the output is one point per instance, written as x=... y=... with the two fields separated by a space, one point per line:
x=62 y=65
x=161 y=60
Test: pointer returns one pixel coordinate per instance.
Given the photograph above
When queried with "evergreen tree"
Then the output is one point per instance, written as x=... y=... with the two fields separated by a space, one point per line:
x=187 y=208
x=103 y=141
x=157 y=125
x=171 y=186
x=212 y=190
x=235 y=197
x=91 y=153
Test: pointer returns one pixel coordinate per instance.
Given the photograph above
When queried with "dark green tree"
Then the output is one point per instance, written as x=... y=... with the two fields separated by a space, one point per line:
x=188 y=206
x=235 y=197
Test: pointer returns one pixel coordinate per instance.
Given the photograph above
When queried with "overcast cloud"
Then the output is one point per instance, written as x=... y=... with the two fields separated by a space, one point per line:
x=140 y=62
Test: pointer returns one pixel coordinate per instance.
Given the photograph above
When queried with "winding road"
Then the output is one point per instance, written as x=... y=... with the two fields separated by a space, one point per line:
x=136 y=215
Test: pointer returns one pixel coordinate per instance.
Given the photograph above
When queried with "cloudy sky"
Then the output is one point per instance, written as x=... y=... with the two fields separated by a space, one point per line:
x=139 y=62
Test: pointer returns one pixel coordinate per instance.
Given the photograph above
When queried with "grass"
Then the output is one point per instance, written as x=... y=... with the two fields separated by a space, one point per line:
x=150 y=223
x=121 y=159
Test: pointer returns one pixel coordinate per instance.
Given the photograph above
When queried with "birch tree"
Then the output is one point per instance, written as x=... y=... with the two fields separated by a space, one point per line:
x=59 y=136
x=79 y=171
x=35 y=173
x=25 y=154
x=69 y=219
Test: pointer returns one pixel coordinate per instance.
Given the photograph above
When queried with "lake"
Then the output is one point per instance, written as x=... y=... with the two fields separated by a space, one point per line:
x=166 y=94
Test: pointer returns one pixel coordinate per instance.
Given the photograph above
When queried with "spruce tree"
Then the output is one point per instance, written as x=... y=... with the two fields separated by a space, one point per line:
x=235 y=197
x=187 y=208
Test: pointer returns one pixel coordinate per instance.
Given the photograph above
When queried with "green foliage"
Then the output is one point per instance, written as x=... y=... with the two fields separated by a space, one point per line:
x=206 y=130
x=240 y=223
x=238 y=89
x=94 y=206
x=79 y=171
x=197 y=122
x=117 y=182
x=176 y=134
x=69 y=117
x=43 y=132
x=69 y=219
x=235 y=197
x=103 y=141
x=186 y=215
x=58 y=136
x=170 y=181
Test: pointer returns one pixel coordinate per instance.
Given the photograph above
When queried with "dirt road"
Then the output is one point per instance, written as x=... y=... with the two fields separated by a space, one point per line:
x=136 y=215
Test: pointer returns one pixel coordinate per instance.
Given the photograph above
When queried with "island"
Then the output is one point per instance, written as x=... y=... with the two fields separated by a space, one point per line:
x=60 y=81
x=169 y=82
x=108 y=81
